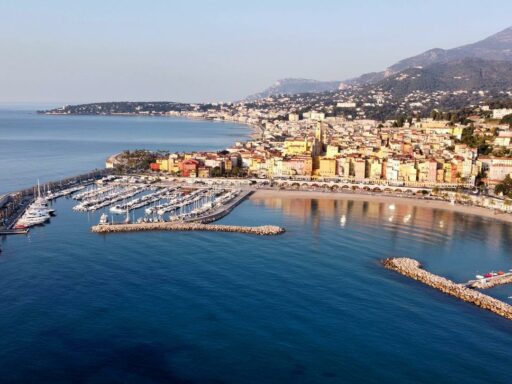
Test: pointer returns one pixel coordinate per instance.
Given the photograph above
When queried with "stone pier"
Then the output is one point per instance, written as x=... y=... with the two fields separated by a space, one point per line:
x=412 y=268
x=264 y=230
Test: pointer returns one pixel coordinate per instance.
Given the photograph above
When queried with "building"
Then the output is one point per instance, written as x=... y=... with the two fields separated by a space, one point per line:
x=359 y=169
x=188 y=168
x=296 y=146
x=293 y=117
x=343 y=168
x=501 y=113
x=327 y=167
x=497 y=168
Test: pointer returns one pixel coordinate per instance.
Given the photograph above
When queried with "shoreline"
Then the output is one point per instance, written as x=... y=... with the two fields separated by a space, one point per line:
x=254 y=130
x=399 y=200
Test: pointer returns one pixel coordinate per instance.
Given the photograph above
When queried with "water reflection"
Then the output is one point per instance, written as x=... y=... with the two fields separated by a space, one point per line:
x=423 y=224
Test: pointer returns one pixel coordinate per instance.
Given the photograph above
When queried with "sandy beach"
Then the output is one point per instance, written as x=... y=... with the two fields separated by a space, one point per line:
x=464 y=209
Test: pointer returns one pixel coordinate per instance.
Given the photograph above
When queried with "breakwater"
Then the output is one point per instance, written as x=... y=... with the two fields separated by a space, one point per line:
x=412 y=268
x=264 y=230
x=491 y=282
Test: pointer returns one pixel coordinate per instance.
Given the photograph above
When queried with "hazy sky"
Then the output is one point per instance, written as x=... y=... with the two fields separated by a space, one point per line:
x=103 y=50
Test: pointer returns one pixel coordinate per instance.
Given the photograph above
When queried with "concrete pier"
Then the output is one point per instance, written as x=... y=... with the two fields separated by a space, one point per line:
x=222 y=211
x=412 y=268
x=265 y=230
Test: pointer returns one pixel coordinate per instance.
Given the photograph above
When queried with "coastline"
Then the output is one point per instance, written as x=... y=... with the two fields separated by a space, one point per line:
x=255 y=130
x=399 y=200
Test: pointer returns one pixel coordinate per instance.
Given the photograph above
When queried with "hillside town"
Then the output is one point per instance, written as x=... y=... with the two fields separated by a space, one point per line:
x=417 y=152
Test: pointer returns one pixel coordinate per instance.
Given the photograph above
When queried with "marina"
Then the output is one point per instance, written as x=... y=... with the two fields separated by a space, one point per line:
x=23 y=209
x=141 y=204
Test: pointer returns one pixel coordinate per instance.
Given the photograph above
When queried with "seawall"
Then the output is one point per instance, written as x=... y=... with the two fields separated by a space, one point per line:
x=265 y=230
x=412 y=268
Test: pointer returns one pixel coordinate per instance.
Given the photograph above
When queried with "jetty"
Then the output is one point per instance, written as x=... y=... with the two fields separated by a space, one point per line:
x=264 y=230
x=489 y=282
x=13 y=232
x=222 y=210
x=412 y=269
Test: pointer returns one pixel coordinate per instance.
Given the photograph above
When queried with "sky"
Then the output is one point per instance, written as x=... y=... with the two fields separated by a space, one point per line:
x=194 y=51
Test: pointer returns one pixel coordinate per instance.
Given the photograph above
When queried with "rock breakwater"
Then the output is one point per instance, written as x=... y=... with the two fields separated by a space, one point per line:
x=491 y=282
x=412 y=268
x=264 y=230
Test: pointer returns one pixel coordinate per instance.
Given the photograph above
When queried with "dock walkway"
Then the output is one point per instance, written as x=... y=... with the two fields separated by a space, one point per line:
x=222 y=211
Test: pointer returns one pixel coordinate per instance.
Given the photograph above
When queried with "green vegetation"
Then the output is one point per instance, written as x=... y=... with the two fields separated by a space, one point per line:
x=505 y=187
x=507 y=119
x=475 y=141
x=137 y=160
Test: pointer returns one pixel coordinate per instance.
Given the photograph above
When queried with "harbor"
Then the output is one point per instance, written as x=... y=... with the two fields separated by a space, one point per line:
x=412 y=268
x=22 y=209
x=130 y=203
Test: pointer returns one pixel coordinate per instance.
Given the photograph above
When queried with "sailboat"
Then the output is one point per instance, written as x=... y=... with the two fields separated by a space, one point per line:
x=127 y=219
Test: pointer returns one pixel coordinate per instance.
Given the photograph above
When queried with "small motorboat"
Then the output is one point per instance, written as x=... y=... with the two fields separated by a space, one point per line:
x=480 y=277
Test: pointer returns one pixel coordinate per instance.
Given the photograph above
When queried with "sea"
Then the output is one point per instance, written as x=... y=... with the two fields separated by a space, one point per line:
x=313 y=305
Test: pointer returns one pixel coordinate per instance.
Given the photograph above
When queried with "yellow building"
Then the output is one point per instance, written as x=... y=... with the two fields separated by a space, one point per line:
x=164 y=164
x=203 y=172
x=457 y=132
x=375 y=166
x=327 y=167
x=294 y=147
x=407 y=172
x=173 y=164
x=447 y=175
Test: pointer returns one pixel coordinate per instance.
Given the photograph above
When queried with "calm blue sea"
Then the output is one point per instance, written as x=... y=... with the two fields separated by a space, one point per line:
x=311 y=306
x=49 y=147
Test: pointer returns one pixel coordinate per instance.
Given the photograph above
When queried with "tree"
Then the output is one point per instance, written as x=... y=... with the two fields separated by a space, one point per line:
x=507 y=119
x=505 y=187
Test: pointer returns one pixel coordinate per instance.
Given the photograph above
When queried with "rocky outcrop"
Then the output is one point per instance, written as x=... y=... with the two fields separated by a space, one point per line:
x=264 y=230
x=412 y=268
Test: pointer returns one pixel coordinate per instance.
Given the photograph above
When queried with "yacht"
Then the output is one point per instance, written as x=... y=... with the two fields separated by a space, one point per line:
x=103 y=219
x=117 y=209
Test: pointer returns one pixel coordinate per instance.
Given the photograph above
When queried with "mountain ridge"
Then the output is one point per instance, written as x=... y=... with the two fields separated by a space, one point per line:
x=497 y=47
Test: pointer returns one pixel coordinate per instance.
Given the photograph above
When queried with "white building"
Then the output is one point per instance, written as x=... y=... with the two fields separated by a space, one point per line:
x=501 y=113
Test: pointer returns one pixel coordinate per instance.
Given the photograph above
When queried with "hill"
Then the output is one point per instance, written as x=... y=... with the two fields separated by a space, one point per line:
x=467 y=74
x=294 y=86
x=497 y=47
